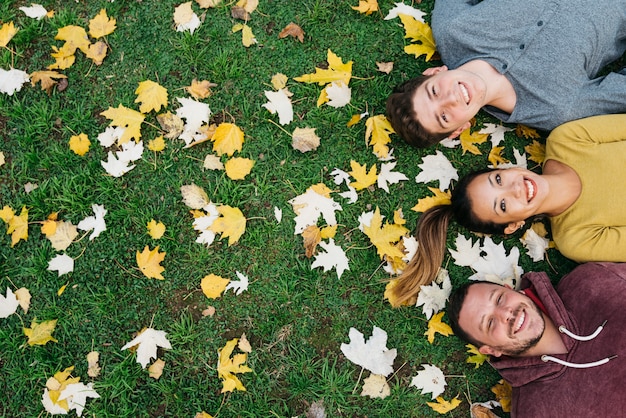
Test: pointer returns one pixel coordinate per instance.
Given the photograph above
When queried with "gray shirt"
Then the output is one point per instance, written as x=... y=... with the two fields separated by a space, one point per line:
x=551 y=52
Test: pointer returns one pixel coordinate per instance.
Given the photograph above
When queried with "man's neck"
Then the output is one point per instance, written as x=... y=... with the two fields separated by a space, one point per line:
x=551 y=342
x=500 y=92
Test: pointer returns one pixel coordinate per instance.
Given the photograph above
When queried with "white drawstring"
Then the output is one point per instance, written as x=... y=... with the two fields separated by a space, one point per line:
x=564 y=330
x=576 y=365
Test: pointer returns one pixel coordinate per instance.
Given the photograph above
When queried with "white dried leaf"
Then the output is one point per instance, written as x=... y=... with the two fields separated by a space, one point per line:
x=304 y=139
x=147 y=343
x=334 y=257
x=62 y=263
x=372 y=355
x=279 y=102
x=431 y=379
x=12 y=80
x=437 y=167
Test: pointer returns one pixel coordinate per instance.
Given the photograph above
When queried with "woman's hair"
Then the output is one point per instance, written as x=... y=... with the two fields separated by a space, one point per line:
x=403 y=118
x=431 y=234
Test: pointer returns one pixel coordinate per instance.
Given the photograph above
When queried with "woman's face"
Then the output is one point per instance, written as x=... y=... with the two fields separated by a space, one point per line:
x=507 y=196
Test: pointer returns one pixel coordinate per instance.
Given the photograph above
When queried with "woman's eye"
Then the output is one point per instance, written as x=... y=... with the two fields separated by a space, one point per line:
x=498 y=179
x=503 y=206
x=489 y=324
x=444 y=117
x=499 y=299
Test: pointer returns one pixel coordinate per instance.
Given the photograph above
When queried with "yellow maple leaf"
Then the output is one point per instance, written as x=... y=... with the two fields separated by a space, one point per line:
x=46 y=78
x=322 y=189
x=227 y=367
x=151 y=95
x=149 y=262
x=436 y=326
x=495 y=156
x=336 y=71
x=418 y=32
x=64 y=57
x=537 y=151
x=367 y=6
x=311 y=236
x=504 y=393
x=247 y=37
x=328 y=231
x=354 y=120
x=238 y=168
x=126 y=118
x=194 y=196
x=439 y=198
x=385 y=237
x=231 y=223
x=377 y=134
x=364 y=179
x=212 y=285
x=157 y=144
x=101 y=25
x=156 y=229
x=79 y=144
x=97 y=52
x=18 y=227
x=227 y=139
x=468 y=140
x=279 y=81
x=442 y=406
x=478 y=358
x=200 y=89
x=524 y=131
x=40 y=333
x=7 y=32
x=6 y=214
x=75 y=37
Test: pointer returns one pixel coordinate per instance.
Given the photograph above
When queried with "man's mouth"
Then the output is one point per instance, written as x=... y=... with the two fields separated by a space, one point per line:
x=464 y=93
x=520 y=321
x=531 y=189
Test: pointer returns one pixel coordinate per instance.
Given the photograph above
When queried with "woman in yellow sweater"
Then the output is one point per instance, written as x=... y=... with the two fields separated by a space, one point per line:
x=582 y=190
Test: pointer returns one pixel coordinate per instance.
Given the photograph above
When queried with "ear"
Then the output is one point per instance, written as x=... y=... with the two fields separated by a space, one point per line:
x=434 y=70
x=459 y=130
x=489 y=351
x=513 y=226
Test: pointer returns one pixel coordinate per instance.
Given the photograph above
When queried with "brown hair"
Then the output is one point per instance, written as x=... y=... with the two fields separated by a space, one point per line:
x=431 y=234
x=455 y=304
x=403 y=117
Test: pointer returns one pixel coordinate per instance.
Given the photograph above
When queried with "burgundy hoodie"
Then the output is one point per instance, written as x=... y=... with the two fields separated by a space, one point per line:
x=585 y=298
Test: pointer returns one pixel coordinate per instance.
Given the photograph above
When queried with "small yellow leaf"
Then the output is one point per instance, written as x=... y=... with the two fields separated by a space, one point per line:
x=157 y=144
x=212 y=162
x=537 y=152
x=61 y=290
x=354 y=120
x=440 y=198
x=418 y=32
x=200 y=89
x=151 y=95
x=75 y=37
x=436 y=326
x=92 y=364
x=524 y=131
x=227 y=367
x=367 y=6
x=244 y=344
x=204 y=414
x=311 y=236
x=18 y=227
x=194 y=196
x=468 y=140
x=238 y=168
x=127 y=118
x=213 y=286
x=248 y=5
x=205 y=4
x=377 y=133
x=504 y=393
x=364 y=179
x=305 y=139
x=46 y=78
x=279 y=81
x=376 y=386
x=7 y=32
x=63 y=236
x=40 y=333
x=101 y=25
x=385 y=237
x=149 y=262
x=79 y=144
x=328 y=231
x=336 y=71
x=478 y=358
x=23 y=298
x=231 y=224
x=48 y=228
x=156 y=229
x=442 y=406
x=495 y=156
x=227 y=139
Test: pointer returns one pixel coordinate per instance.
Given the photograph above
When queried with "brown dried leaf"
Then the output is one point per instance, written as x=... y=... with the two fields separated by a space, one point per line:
x=304 y=139
x=311 y=236
x=292 y=30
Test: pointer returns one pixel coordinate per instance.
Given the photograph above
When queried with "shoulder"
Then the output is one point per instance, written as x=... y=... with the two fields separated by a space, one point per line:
x=601 y=279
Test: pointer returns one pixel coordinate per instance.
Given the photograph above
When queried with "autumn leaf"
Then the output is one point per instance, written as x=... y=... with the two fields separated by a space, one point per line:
x=231 y=224
x=418 y=32
x=8 y=304
x=311 y=236
x=478 y=358
x=194 y=196
x=524 y=131
x=440 y=198
x=147 y=343
x=279 y=102
x=304 y=139
x=126 y=118
x=537 y=151
x=75 y=37
x=157 y=144
x=376 y=386
x=46 y=78
x=372 y=354
x=172 y=124
x=156 y=229
x=331 y=256
x=328 y=231
x=101 y=25
x=227 y=367
x=336 y=71
x=93 y=369
x=292 y=30
x=367 y=7
x=7 y=32
x=23 y=297
x=436 y=326
x=377 y=134
x=442 y=406
x=18 y=227
x=185 y=18
x=248 y=5
x=227 y=139
x=64 y=234
x=504 y=393
x=200 y=89
x=468 y=140
x=364 y=178
x=156 y=369
x=247 y=37
x=79 y=144
x=384 y=67
x=40 y=333
x=212 y=286
x=149 y=262
x=151 y=95
x=495 y=156
x=385 y=237
x=431 y=379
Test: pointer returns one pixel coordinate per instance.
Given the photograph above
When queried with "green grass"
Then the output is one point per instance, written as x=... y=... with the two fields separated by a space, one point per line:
x=295 y=318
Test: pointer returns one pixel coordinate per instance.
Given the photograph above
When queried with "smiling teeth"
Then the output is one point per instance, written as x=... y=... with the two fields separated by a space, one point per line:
x=464 y=93
x=520 y=321
x=531 y=189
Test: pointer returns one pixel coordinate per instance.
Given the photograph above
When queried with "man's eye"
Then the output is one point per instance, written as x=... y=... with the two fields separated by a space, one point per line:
x=433 y=91
x=444 y=117
x=503 y=206
x=489 y=324
x=499 y=299
x=498 y=179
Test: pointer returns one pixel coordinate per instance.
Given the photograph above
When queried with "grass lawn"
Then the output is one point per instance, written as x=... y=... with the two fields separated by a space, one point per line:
x=295 y=317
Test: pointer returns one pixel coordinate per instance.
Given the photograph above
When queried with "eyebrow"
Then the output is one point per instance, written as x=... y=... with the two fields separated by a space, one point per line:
x=482 y=318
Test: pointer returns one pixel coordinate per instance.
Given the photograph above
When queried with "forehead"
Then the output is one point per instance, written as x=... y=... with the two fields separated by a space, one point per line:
x=423 y=106
x=476 y=301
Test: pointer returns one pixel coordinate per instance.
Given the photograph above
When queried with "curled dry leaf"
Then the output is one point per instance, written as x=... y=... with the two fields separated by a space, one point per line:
x=92 y=360
x=156 y=369
x=292 y=30
x=481 y=411
x=200 y=89
x=194 y=196
x=385 y=67
x=239 y=13
x=304 y=139
x=172 y=124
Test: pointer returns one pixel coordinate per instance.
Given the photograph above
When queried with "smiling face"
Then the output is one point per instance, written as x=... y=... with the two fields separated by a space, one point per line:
x=503 y=320
x=448 y=100
x=508 y=196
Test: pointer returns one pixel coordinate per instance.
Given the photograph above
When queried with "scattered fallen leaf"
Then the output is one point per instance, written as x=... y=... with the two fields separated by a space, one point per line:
x=227 y=367
x=367 y=7
x=79 y=144
x=147 y=343
x=149 y=262
x=376 y=386
x=156 y=369
x=155 y=229
x=213 y=285
x=40 y=333
x=92 y=364
x=292 y=30
x=442 y=406
x=385 y=67
x=436 y=326
x=305 y=139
